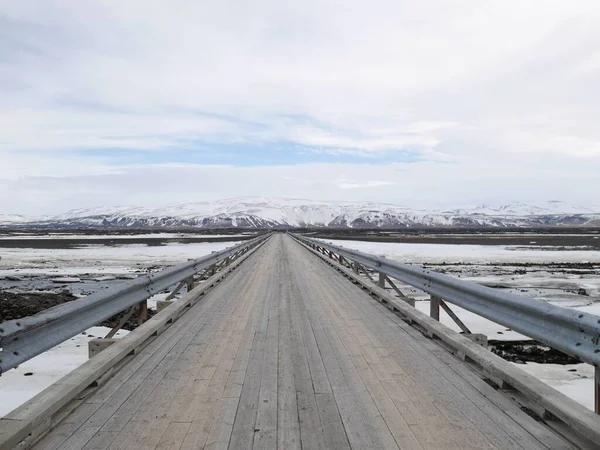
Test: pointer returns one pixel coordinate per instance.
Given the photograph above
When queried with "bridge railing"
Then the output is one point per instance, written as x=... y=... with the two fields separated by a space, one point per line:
x=573 y=332
x=22 y=339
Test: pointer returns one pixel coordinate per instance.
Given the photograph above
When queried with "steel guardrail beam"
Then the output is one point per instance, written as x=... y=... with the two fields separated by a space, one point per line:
x=22 y=339
x=27 y=423
x=548 y=404
x=573 y=332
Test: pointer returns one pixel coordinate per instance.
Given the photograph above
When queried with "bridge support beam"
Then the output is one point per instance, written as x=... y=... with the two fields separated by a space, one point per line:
x=95 y=346
x=162 y=304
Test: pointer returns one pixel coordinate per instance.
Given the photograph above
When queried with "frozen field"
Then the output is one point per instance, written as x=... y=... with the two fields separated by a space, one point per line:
x=90 y=267
x=97 y=257
x=453 y=254
x=27 y=236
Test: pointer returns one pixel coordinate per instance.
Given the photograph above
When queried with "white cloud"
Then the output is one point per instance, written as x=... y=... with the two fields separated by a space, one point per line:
x=366 y=184
x=497 y=99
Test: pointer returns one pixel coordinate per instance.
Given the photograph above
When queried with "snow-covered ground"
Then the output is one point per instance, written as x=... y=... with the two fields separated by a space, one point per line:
x=454 y=253
x=102 y=258
x=573 y=380
x=28 y=236
x=30 y=378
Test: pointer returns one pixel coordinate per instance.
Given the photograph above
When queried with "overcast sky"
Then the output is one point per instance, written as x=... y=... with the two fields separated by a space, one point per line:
x=422 y=103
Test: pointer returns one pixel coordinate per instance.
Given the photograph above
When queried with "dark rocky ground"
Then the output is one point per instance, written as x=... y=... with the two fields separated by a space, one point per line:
x=112 y=238
x=540 y=238
x=522 y=352
x=18 y=305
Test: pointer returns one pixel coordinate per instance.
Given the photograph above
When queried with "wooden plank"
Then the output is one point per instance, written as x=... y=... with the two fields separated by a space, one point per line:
x=509 y=434
x=266 y=418
x=79 y=440
x=417 y=412
x=244 y=425
x=173 y=436
x=297 y=357
x=342 y=309
x=101 y=440
x=220 y=435
x=288 y=428
x=311 y=433
x=345 y=399
x=213 y=374
x=334 y=434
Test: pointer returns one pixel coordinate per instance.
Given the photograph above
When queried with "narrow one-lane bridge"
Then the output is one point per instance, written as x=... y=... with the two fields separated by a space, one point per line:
x=286 y=353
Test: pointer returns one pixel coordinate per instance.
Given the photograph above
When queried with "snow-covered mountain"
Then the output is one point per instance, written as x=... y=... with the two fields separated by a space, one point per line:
x=7 y=219
x=266 y=212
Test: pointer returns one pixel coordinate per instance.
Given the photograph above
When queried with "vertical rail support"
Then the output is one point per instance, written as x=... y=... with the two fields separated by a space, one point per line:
x=142 y=312
x=189 y=284
x=434 y=307
x=597 y=389
x=355 y=267
x=381 y=281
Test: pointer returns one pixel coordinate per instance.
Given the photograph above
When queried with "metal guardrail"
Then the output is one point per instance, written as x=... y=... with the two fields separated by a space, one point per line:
x=22 y=339
x=555 y=409
x=573 y=332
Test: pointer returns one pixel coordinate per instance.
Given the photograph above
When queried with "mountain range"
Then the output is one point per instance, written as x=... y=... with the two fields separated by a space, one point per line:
x=268 y=212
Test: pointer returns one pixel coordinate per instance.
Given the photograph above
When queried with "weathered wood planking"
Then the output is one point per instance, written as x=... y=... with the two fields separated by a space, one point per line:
x=285 y=353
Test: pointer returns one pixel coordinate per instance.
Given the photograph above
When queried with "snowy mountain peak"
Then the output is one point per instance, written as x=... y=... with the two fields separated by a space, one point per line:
x=6 y=219
x=261 y=212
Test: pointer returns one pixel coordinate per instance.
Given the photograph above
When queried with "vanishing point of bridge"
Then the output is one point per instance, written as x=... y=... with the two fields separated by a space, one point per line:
x=286 y=353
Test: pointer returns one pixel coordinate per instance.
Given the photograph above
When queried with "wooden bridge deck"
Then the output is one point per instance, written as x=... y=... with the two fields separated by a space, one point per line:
x=286 y=353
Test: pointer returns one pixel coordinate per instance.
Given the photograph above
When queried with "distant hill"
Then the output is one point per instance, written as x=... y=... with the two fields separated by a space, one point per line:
x=267 y=212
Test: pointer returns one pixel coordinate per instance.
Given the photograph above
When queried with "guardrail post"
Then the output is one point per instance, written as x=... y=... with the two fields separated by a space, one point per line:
x=142 y=314
x=381 y=281
x=434 y=307
x=189 y=284
x=597 y=389
x=355 y=267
